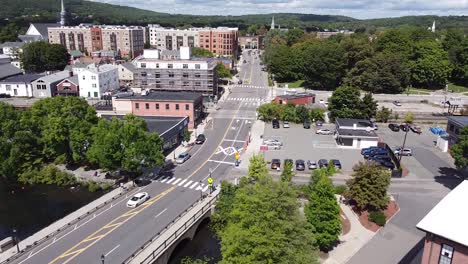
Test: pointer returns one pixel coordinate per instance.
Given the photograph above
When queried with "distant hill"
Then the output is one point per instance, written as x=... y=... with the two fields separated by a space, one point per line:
x=24 y=11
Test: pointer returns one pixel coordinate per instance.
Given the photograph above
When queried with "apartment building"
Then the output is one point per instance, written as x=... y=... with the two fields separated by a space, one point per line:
x=96 y=80
x=175 y=71
x=221 y=41
x=127 y=41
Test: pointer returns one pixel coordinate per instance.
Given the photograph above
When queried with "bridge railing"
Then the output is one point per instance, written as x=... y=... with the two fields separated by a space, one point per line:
x=176 y=235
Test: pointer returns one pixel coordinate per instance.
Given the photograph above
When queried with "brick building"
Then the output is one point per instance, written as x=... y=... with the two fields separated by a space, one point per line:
x=298 y=99
x=69 y=86
x=446 y=240
x=221 y=41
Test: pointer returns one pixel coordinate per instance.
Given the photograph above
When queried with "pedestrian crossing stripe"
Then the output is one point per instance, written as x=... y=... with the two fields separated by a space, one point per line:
x=184 y=183
x=245 y=99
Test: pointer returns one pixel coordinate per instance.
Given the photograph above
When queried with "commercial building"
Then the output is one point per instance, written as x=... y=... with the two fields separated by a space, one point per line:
x=19 y=85
x=97 y=80
x=454 y=126
x=298 y=99
x=171 y=104
x=327 y=34
x=37 y=32
x=446 y=240
x=355 y=133
x=252 y=42
x=221 y=41
x=46 y=86
x=175 y=71
x=126 y=41
x=69 y=86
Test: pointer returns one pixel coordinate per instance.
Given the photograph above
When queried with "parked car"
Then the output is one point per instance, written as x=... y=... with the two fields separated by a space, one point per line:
x=200 y=139
x=183 y=157
x=285 y=124
x=275 y=164
x=375 y=152
x=322 y=163
x=404 y=127
x=368 y=149
x=300 y=165
x=416 y=129
x=337 y=163
x=386 y=164
x=324 y=131
x=403 y=152
x=311 y=164
x=138 y=199
x=319 y=123
x=272 y=142
x=397 y=103
x=394 y=127
x=239 y=82
x=381 y=157
x=275 y=123
x=306 y=124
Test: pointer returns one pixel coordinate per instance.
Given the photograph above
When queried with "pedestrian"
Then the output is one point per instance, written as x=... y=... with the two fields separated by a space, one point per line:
x=210 y=184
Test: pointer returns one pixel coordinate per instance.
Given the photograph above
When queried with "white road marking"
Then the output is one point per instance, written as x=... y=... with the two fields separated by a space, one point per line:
x=171 y=180
x=178 y=180
x=107 y=254
x=165 y=179
x=200 y=187
x=223 y=162
x=195 y=184
x=182 y=182
x=204 y=189
x=235 y=140
x=187 y=184
x=160 y=213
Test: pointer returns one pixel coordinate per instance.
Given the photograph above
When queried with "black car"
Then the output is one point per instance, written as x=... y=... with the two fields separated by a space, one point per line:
x=275 y=123
x=376 y=152
x=142 y=181
x=307 y=124
x=404 y=127
x=300 y=165
x=381 y=157
x=394 y=127
x=337 y=163
x=386 y=164
x=239 y=82
x=322 y=163
x=200 y=139
x=275 y=164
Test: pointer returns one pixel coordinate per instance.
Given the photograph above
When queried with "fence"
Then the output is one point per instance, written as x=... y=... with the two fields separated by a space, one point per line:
x=168 y=242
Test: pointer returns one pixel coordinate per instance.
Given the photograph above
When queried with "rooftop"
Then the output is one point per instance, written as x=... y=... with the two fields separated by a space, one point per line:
x=23 y=78
x=356 y=133
x=42 y=27
x=164 y=96
x=460 y=120
x=7 y=70
x=100 y=68
x=12 y=44
x=58 y=76
x=448 y=218
x=349 y=122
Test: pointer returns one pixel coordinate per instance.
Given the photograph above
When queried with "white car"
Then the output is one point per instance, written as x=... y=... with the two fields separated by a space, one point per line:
x=183 y=157
x=272 y=142
x=324 y=131
x=311 y=164
x=403 y=152
x=286 y=124
x=138 y=199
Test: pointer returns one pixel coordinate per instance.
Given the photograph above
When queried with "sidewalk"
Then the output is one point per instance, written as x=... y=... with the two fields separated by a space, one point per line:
x=185 y=148
x=350 y=243
x=258 y=128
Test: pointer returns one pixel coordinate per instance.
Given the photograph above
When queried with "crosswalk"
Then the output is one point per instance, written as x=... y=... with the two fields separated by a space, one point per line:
x=245 y=99
x=184 y=183
x=250 y=86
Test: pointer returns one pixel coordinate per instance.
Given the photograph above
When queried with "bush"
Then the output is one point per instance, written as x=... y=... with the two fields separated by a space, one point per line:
x=340 y=189
x=378 y=217
x=93 y=186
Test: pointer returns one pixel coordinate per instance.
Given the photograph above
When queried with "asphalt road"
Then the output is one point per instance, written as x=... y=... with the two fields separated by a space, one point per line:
x=117 y=231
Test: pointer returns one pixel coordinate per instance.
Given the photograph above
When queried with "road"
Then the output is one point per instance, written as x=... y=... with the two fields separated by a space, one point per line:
x=116 y=231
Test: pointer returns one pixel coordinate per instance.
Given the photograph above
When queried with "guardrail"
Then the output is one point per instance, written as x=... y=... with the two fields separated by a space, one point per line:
x=42 y=240
x=168 y=242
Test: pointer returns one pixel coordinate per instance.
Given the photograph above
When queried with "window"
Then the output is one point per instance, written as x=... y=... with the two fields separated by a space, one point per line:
x=144 y=82
x=143 y=65
x=185 y=75
x=137 y=106
x=171 y=83
x=89 y=94
x=157 y=75
x=93 y=77
x=167 y=106
x=187 y=107
x=197 y=75
x=185 y=84
x=197 y=66
x=96 y=94
x=84 y=78
x=446 y=254
x=177 y=107
x=143 y=74
x=94 y=85
x=451 y=127
x=197 y=84
x=147 y=106
x=171 y=75
x=170 y=66
x=185 y=66
x=157 y=65
x=8 y=87
x=157 y=106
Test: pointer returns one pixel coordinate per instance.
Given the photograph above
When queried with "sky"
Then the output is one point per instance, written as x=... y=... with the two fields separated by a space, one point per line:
x=361 y=9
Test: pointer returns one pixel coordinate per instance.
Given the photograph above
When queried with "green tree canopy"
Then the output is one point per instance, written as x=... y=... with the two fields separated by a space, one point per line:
x=41 y=56
x=223 y=72
x=345 y=102
x=258 y=167
x=459 y=151
x=201 y=53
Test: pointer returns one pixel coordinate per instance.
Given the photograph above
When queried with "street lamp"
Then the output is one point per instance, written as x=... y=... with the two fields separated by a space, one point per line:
x=103 y=258
x=16 y=240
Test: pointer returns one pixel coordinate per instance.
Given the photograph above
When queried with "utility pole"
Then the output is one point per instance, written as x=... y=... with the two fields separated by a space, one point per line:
x=404 y=142
x=16 y=240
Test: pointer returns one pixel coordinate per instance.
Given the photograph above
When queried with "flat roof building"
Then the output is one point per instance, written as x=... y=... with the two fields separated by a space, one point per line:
x=355 y=133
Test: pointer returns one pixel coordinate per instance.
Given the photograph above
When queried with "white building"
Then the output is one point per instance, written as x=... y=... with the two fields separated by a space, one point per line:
x=37 y=32
x=355 y=133
x=12 y=49
x=96 y=80
x=171 y=38
x=19 y=85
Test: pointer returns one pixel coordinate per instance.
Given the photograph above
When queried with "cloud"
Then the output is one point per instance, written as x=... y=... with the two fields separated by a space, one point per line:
x=353 y=8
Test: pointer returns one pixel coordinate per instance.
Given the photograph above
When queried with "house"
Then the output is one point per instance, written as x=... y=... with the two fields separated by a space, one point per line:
x=69 y=86
x=446 y=238
x=8 y=70
x=37 y=32
x=454 y=126
x=97 y=80
x=355 y=133
x=46 y=86
x=4 y=59
x=298 y=99
x=12 y=49
x=18 y=85
x=170 y=129
x=126 y=72
x=172 y=104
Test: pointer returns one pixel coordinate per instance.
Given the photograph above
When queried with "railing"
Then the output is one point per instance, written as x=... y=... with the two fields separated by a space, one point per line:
x=42 y=240
x=176 y=235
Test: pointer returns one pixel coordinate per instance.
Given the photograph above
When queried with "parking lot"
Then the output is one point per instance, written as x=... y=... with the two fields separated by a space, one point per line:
x=300 y=143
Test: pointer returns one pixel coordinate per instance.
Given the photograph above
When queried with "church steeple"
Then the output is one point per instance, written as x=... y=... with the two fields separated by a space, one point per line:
x=63 y=14
x=272 y=23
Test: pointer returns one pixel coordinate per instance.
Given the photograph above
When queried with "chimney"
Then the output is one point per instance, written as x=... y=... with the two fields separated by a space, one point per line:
x=70 y=73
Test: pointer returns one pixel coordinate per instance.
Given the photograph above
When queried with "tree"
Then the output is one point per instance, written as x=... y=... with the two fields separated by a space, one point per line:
x=356 y=49
x=294 y=35
x=9 y=32
x=288 y=172
x=409 y=117
x=383 y=115
x=223 y=72
x=280 y=60
x=289 y=113
x=201 y=53
x=258 y=167
x=316 y=114
x=368 y=106
x=41 y=56
x=302 y=113
x=456 y=44
x=323 y=212
x=345 y=102
x=368 y=187
x=459 y=151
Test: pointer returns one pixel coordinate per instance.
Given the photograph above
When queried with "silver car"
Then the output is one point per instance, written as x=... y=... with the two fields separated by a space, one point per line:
x=273 y=142
x=324 y=131
x=311 y=164
x=403 y=152
x=183 y=157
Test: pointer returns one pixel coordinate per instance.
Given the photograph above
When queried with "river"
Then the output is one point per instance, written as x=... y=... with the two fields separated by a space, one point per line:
x=31 y=208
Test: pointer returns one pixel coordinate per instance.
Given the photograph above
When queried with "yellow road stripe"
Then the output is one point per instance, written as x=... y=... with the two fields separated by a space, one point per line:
x=74 y=252
x=92 y=238
x=108 y=226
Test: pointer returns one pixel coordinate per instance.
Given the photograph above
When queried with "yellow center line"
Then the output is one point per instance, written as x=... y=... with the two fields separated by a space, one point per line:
x=73 y=251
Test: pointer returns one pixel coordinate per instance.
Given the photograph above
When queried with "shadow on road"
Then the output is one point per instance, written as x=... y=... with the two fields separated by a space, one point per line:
x=414 y=255
x=449 y=177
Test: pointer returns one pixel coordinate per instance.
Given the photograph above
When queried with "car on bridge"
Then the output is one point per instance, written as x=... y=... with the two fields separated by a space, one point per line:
x=138 y=199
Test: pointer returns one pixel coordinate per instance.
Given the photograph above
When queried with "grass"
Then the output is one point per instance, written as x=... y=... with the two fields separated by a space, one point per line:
x=417 y=91
x=457 y=88
x=295 y=84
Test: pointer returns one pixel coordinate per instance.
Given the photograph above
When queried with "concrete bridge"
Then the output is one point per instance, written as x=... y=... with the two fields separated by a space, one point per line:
x=159 y=249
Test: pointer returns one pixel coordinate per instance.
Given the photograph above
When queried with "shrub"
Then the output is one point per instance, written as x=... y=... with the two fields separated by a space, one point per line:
x=93 y=186
x=377 y=217
x=340 y=189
